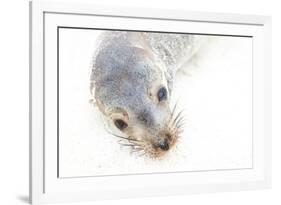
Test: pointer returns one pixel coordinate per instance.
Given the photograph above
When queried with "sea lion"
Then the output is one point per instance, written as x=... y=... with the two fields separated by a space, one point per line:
x=131 y=83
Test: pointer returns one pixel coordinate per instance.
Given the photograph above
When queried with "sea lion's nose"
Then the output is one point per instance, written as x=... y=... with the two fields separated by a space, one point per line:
x=164 y=145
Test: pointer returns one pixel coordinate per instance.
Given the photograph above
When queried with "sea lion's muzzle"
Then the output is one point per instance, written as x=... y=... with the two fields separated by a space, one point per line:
x=154 y=134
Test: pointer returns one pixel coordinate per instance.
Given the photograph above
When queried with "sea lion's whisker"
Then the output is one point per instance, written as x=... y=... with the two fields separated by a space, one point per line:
x=140 y=155
x=125 y=138
x=180 y=129
x=174 y=109
x=177 y=132
x=172 y=114
x=178 y=115
x=176 y=127
x=130 y=139
x=131 y=145
x=137 y=150
x=180 y=124
x=179 y=121
x=116 y=135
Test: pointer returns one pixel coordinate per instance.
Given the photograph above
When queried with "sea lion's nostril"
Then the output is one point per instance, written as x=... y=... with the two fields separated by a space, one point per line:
x=164 y=145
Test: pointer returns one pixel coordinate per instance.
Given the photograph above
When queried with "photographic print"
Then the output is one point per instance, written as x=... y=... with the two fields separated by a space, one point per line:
x=137 y=102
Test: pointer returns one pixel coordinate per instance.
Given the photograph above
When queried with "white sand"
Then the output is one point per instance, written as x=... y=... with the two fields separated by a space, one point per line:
x=215 y=91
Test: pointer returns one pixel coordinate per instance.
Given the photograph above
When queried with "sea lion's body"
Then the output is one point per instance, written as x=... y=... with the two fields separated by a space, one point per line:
x=132 y=80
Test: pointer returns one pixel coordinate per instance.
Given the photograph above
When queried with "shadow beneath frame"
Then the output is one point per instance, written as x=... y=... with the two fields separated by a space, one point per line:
x=24 y=199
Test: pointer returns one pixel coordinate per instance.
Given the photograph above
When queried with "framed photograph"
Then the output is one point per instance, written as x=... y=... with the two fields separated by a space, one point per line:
x=128 y=102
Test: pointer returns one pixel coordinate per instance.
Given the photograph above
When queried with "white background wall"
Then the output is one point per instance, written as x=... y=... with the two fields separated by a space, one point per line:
x=14 y=100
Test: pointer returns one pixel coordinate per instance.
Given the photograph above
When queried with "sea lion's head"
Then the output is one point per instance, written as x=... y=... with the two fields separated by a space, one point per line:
x=130 y=88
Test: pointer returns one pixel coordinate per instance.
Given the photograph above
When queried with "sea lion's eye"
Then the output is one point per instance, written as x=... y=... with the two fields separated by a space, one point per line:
x=162 y=94
x=120 y=124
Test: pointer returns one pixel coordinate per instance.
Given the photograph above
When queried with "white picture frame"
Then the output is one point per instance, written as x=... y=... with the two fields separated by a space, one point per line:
x=46 y=187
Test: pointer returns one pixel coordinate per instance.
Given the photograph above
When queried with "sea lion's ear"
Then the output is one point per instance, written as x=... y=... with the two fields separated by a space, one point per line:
x=142 y=42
